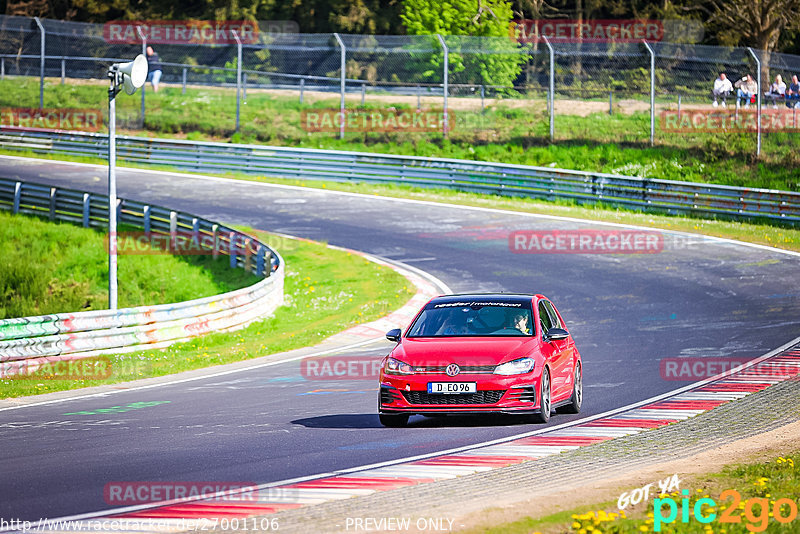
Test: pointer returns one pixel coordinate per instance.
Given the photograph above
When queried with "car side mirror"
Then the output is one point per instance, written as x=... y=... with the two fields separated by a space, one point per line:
x=556 y=333
x=393 y=335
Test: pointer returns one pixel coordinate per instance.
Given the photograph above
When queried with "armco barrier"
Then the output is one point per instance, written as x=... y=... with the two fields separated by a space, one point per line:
x=30 y=341
x=505 y=179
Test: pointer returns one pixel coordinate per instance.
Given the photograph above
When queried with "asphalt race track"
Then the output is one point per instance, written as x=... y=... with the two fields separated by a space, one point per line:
x=697 y=298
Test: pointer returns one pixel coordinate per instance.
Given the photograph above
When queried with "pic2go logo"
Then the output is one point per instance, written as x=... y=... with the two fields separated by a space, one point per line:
x=756 y=511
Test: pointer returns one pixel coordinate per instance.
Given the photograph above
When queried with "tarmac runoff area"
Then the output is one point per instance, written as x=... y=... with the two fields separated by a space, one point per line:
x=741 y=430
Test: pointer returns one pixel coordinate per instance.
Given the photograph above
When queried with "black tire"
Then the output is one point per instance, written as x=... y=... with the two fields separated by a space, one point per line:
x=576 y=400
x=545 y=399
x=393 y=420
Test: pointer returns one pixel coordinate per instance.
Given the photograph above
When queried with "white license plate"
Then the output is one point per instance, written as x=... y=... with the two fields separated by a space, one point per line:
x=452 y=388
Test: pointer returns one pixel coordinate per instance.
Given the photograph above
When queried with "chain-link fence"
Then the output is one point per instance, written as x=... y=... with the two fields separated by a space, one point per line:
x=478 y=88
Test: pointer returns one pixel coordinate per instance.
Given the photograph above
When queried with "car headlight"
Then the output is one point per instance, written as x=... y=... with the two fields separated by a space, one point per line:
x=515 y=367
x=396 y=367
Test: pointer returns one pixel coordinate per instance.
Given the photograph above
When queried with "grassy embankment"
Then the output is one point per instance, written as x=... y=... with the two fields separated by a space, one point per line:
x=47 y=268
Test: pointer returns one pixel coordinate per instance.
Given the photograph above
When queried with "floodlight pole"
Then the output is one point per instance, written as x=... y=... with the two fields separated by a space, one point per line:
x=113 y=74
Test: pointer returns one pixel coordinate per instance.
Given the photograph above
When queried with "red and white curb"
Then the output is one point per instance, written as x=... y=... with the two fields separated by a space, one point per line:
x=781 y=365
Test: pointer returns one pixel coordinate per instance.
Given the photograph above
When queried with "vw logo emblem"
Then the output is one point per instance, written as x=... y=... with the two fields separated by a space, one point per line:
x=452 y=370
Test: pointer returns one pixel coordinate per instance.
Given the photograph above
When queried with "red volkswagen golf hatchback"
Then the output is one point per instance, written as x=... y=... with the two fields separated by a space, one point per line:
x=481 y=353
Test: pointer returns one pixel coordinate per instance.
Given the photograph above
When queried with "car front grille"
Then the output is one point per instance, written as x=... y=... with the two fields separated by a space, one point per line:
x=464 y=369
x=480 y=397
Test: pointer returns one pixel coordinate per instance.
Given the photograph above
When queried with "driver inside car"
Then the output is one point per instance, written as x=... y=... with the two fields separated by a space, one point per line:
x=520 y=322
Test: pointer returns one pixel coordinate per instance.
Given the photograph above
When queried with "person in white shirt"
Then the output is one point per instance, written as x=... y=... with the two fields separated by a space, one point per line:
x=777 y=91
x=746 y=90
x=722 y=88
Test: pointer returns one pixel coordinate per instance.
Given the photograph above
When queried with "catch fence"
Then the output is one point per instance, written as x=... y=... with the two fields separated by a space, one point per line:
x=485 y=86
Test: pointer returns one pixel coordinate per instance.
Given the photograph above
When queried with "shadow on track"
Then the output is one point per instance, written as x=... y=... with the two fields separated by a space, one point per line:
x=371 y=421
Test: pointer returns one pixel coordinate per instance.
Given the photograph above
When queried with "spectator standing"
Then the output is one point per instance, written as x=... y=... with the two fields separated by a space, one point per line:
x=722 y=88
x=746 y=88
x=793 y=93
x=153 y=68
x=777 y=91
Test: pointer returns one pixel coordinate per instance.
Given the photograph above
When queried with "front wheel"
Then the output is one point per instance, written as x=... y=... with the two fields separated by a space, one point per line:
x=393 y=420
x=576 y=400
x=545 y=402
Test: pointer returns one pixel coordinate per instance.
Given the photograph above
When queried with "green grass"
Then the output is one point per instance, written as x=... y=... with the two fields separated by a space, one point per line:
x=505 y=132
x=326 y=292
x=50 y=267
x=758 y=483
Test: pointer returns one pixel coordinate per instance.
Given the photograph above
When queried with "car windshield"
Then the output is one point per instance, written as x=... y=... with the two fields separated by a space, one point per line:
x=465 y=319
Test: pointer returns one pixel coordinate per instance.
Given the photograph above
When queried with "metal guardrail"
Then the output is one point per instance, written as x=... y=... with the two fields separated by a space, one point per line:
x=495 y=178
x=29 y=342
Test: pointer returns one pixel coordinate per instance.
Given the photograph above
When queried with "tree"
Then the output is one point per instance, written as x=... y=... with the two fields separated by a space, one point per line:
x=756 y=23
x=494 y=60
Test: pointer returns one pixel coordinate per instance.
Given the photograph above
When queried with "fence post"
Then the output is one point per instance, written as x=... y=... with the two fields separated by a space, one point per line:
x=183 y=91
x=611 y=102
x=342 y=73
x=302 y=86
x=232 y=249
x=215 y=233
x=446 y=90
x=41 y=61
x=551 y=93
x=260 y=260
x=758 y=103
x=652 y=92
x=144 y=53
x=63 y=70
x=238 y=75
x=17 y=197
x=2 y=68
x=87 y=199
x=146 y=215
x=52 y=214
x=363 y=93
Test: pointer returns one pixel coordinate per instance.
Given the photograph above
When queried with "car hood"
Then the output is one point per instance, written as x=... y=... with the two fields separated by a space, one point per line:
x=463 y=351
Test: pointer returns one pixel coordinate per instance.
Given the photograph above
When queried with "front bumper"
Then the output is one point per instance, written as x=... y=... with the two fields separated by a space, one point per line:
x=496 y=394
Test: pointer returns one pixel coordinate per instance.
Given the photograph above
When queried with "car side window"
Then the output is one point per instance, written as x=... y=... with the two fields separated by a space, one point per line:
x=553 y=315
x=544 y=318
